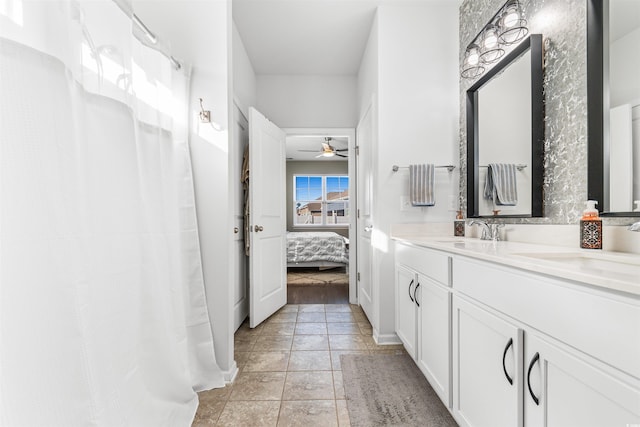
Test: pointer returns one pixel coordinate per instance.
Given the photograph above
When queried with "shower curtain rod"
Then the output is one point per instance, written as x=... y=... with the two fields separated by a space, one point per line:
x=153 y=39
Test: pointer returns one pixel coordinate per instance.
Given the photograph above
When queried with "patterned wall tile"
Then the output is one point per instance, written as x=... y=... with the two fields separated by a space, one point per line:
x=563 y=26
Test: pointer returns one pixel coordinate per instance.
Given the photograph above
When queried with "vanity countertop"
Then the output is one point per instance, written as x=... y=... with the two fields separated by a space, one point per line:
x=603 y=269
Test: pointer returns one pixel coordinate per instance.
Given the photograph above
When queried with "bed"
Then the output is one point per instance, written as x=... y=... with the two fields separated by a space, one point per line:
x=322 y=249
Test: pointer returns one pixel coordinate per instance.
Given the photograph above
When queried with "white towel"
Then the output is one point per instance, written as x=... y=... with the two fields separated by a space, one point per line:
x=421 y=178
x=500 y=185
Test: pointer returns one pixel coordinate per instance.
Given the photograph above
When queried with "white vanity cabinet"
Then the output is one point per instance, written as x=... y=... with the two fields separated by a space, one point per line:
x=406 y=308
x=487 y=367
x=423 y=312
x=565 y=388
x=573 y=360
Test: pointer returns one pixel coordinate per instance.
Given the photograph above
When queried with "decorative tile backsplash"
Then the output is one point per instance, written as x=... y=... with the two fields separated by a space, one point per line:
x=562 y=24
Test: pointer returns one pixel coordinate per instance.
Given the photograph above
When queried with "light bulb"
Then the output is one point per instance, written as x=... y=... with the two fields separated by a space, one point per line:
x=490 y=38
x=511 y=18
x=473 y=57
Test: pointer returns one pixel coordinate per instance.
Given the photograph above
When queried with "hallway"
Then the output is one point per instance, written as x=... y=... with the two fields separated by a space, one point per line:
x=290 y=373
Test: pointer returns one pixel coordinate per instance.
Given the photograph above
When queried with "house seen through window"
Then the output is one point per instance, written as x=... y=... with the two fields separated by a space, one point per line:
x=321 y=200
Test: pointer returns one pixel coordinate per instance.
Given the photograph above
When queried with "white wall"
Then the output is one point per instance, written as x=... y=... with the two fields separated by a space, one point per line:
x=320 y=167
x=204 y=44
x=625 y=69
x=309 y=101
x=367 y=84
x=417 y=84
x=244 y=77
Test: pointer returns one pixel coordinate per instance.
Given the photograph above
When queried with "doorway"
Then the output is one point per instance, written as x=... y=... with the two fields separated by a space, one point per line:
x=321 y=185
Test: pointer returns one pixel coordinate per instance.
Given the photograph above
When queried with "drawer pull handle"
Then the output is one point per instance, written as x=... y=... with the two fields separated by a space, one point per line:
x=414 y=294
x=410 y=297
x=536 y=357
x=504 y=355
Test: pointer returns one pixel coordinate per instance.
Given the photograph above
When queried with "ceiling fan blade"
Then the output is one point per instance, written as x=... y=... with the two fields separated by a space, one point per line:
x=342 y=149
x=320 y=155
x=309 y=151
x=341 y=155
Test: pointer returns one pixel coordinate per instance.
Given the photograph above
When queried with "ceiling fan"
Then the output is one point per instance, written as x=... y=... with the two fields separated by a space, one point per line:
x=327 y=149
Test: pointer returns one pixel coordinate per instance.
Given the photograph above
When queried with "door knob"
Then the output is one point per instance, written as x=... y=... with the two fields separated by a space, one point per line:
x=236 y=230
x=258 y=228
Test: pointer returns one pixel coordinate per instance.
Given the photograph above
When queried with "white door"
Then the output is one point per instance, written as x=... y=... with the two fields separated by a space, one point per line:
x=365 y=135
x=238 y=259
x=487 y=368
x=267 y=192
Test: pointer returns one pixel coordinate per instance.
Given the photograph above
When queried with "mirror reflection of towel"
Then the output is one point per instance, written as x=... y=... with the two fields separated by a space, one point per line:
x=500 y=185
x=421 y=180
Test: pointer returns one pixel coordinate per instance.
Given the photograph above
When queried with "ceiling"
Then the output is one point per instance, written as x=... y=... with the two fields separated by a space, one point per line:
x=303 y=37
x=295 y=143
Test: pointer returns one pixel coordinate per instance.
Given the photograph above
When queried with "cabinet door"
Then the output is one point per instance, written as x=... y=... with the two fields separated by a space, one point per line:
x=434 y=335
x=406 y=309
x=573 y=392
x=487 y=368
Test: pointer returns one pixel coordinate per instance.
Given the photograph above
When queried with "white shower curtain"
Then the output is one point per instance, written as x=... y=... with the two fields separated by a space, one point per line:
x=103 y=319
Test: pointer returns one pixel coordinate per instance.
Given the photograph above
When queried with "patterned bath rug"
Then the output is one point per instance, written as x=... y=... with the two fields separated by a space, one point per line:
x=390 y=390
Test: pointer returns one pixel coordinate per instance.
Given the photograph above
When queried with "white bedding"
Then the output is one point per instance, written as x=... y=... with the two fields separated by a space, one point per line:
x=316 y=246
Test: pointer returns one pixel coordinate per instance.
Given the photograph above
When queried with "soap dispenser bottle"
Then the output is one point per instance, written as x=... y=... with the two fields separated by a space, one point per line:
x=591 y=227
x=459 y=225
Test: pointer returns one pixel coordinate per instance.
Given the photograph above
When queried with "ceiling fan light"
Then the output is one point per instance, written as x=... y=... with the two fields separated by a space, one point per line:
x=328 y=154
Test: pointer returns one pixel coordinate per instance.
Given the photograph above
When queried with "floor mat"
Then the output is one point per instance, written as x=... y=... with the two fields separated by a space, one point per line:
x=390 y=390
x=313 y=276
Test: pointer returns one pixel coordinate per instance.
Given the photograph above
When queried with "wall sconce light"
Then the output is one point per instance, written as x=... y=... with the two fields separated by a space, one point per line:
x=507 y=27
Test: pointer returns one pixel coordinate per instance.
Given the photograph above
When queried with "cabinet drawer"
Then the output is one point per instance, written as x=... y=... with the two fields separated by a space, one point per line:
x=433 y=264
x=603 y=325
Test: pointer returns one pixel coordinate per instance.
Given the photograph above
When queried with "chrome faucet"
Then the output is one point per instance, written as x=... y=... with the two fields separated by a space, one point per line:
x=489 y=231
x=634 y=227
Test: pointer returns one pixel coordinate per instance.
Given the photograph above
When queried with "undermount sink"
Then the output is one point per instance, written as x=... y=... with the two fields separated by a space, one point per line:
x=602 y=263
x=471 y=244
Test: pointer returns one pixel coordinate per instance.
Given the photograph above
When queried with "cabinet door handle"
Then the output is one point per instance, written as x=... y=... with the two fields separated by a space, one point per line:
x=504 y=355
x=536 y=357
x=414 y=294
x=410 y=297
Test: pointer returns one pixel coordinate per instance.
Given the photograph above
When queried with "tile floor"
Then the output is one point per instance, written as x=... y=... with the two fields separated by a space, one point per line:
x=290 y=372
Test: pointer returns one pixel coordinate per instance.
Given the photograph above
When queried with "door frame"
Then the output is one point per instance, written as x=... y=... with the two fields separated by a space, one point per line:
x=350 y=134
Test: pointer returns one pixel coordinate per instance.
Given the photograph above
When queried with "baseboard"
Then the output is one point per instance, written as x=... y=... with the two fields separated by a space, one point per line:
x=230 y=375
x=385 y=339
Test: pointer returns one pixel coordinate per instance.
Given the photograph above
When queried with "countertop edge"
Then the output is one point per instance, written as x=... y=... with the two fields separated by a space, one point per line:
x=505 y=253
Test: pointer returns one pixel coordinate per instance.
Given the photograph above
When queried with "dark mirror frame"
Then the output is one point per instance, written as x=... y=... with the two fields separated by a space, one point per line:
x=533 y=42
x=595 y=104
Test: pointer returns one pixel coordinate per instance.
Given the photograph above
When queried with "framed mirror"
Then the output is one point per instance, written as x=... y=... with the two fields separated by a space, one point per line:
x=505 y=136
x=613 y=91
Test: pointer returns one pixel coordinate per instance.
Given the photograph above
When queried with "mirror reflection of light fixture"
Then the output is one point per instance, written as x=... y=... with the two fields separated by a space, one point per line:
x=507 y=27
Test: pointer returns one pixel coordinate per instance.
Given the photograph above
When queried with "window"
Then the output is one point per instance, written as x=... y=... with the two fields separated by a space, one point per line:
x=321 y=200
